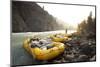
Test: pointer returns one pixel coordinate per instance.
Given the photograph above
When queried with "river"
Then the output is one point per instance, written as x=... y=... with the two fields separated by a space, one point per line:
x=18 y=55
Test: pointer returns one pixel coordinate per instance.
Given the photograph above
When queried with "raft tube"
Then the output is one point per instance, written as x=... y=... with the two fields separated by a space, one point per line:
x=59 y=39
x=47 y=54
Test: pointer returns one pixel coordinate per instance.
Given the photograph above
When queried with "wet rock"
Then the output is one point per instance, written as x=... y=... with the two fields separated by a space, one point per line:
x=69 y=57
x=75 y=50
x=63 y=60
x=84 y=42
x=68 y=44
x=76 y=55
x=86 y=49
x=83 y=58
x=93 y=58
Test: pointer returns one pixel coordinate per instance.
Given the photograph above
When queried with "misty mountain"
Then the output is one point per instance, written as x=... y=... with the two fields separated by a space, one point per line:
x=30 y=17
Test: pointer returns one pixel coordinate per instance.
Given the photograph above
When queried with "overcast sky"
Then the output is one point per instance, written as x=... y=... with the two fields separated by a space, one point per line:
x=68 y=13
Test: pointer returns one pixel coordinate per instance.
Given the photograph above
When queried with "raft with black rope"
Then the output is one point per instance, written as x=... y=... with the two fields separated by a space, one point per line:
x=59 y=37
x=42 y=49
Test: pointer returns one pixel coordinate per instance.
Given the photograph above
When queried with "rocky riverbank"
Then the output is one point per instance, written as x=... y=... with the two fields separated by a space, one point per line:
x=78 y=50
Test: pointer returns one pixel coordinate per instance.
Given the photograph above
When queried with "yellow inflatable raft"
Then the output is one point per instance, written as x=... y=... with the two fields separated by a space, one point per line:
x=44 y=54
x=59 y=37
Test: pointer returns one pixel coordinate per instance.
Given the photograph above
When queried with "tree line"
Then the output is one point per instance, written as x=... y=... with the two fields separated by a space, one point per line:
x=87 y=27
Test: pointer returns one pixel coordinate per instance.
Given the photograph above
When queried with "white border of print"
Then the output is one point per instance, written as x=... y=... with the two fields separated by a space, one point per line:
x=5 y=33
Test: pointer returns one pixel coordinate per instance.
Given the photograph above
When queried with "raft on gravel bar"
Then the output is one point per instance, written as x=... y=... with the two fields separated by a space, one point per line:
x=43 y=49
x=59 y=37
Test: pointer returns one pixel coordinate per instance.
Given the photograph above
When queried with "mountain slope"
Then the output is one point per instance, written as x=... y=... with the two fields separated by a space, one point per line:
x=30 y=17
